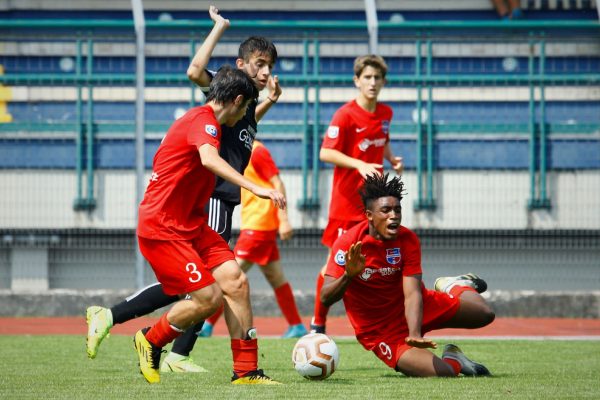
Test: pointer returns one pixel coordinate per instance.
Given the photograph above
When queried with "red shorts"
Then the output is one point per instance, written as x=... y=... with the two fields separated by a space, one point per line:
x=334 y=229
x=183 y=266
x=259 y=247
x=437 y=309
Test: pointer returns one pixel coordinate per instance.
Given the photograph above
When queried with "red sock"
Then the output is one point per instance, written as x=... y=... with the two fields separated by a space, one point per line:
x=245 y=356
x=287 y=304
x=456 y=291
x=162 y=332
x=454 y=364
x=215 y=317
x=321 y=310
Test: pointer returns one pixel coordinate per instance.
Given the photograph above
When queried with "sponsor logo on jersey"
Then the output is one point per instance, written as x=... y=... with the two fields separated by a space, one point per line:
x=340 y=258
x=366 y=143
x=154 y=177
x=366 y=274
x=247 y=137
x=393 y=256
x=385 y=126
x=211 y=130
x=333 y=132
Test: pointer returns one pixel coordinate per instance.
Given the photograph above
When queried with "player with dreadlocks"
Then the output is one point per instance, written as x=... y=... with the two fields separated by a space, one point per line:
x=375 y=268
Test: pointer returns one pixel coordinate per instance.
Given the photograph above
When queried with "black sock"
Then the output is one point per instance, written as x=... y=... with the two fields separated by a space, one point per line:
x=145 y=301
x=184 y=344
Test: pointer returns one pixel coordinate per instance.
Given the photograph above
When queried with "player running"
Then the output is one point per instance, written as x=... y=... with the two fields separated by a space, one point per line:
x=356 y=143
x=376 y=268
x=257 y=57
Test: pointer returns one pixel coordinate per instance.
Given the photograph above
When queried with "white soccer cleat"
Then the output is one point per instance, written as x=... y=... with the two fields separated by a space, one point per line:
x=467 y=367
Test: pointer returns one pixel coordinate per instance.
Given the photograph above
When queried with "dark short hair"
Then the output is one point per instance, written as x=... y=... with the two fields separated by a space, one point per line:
x=257 y=44
x=229 y=83
x=378 y=186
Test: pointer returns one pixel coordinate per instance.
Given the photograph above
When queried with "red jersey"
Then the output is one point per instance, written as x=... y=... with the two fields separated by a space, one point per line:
x=359 y=134
x=180 y=186
x=374 y=299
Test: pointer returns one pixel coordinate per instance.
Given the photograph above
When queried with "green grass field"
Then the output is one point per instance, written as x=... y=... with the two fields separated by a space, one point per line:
x=56 y=367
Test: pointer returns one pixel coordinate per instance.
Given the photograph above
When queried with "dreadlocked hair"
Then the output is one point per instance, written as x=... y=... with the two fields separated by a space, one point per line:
x=377 y=186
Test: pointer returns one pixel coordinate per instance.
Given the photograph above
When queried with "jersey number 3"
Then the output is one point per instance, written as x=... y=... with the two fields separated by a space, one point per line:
x=196 y=276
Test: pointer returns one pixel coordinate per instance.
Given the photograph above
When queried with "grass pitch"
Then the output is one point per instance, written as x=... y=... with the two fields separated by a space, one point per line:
x=56 y=367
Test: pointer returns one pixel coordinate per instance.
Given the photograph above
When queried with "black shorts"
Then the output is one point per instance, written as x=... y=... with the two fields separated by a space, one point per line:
x=219 y=213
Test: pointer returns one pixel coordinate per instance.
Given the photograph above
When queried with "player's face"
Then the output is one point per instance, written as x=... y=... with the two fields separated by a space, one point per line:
x=369 y=83
x=384 y=218
x=258 y=67
x=237 y=111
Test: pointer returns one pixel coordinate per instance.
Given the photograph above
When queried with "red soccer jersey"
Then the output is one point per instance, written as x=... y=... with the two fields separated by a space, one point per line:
x=359 y=134
x=374 y=299
x=180 y=186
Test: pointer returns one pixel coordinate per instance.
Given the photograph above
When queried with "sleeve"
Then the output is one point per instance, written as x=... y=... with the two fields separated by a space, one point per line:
x=211 y=73
x=411 y=255
x=205 y=131
x=387 y=124
x=336 y=264
x=263 y=163
x=336 y=137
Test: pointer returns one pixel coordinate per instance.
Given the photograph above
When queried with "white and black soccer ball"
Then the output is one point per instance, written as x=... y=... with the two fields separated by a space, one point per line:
x=315 y=356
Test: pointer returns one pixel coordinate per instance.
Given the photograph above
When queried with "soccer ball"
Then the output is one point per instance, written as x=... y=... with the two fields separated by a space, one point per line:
x=315 y=356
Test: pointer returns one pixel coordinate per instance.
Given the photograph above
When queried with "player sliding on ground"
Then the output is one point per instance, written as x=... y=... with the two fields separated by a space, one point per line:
x=376 y=268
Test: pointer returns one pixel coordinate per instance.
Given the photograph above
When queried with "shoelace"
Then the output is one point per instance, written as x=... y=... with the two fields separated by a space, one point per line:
x=155 y=356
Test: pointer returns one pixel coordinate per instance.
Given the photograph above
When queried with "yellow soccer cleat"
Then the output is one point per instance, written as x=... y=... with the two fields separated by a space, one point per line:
x=99 y=321
x=149 y=356
x=256 y=377
x=177 y=363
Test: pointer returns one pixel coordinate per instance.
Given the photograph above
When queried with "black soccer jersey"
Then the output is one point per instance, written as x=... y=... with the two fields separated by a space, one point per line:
x=236 y=149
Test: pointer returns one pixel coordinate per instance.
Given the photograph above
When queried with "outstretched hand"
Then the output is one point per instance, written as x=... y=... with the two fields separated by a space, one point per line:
x=355 y=261
x=367 y=169
x=217 y=18
x=277 y=197
x=421 y=343
x=398 y=165
x=274 y=88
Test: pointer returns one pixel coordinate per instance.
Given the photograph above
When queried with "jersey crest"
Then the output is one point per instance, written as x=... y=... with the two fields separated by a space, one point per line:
x=393 y=256
x=211 y=130
x=385 y=126
x=340 y=258
x=333 y=132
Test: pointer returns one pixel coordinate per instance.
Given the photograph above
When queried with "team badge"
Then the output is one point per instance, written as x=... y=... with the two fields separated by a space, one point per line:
x=340 y=258
x=393 y=256
x=211 y=130
x=385 y=126
x=333 y=132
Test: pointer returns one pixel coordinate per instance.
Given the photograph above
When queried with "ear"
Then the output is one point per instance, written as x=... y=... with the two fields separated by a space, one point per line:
x=239 y=62
x=239 y=100
x=356 y=80
x=369 y=215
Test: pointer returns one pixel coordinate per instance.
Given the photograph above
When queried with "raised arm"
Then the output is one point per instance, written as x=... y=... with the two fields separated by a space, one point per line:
x=274 y=94
x=334 y=288
x=196 y=72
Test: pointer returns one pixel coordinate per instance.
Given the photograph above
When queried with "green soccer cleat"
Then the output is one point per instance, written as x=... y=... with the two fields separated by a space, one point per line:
x=149 y=356
x=256 y=377
x=467 y=367
x=444 y=284
x=99 y=321
x=177 y=363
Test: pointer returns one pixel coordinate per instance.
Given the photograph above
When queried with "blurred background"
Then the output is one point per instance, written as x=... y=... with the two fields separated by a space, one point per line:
x=496 y=114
